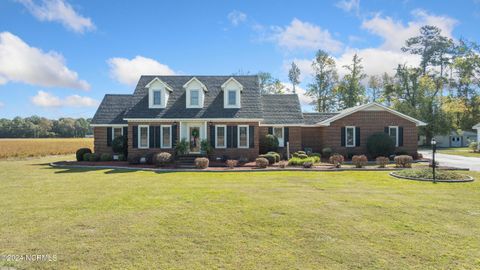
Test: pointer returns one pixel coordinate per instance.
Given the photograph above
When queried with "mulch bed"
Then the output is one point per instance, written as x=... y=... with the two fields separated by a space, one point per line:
x=466 y=179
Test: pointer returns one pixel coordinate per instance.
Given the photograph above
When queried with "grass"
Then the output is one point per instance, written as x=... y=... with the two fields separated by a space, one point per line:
x=22 y=148
x=108 y=219
x=460 y=151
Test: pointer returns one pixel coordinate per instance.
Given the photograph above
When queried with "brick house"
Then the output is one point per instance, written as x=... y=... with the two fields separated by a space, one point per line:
x=232 y=115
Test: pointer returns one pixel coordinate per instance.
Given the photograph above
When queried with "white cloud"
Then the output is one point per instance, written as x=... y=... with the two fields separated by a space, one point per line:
x=45 y=99
x=305 y=66
x=129 y=71
x=349 y=5
x=22 y=63
x=59 y=11
x=304 y=35
x=300 y=91
x=236 y=17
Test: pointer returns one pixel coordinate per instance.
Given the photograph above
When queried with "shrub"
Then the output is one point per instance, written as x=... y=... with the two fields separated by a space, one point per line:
x=94 y=157
x=82 y=151
x=359 y=161
x=315 y=155
x=473 y=146
x=269 y=157
x=428 y=174
x=327 y=152
x=403 y=161
x=201 y=162
x=417 y=155
x=295 y=154
x=269 y=143
x=303 y=156
x=380 y=144
x=336 y=160
x=295 y=161
x=206 y=147
x=134 y=159
x=162 y=159
x=181 y=148
x=315 y=159
x=307 y=164
x=120 y=145
x=121 y=157
x=283 y=164
x=301 y=152
x=261 y=162
x=231 y=163
x=382 y=161
x=106 y=157
x=86 y=156
x=276 y=155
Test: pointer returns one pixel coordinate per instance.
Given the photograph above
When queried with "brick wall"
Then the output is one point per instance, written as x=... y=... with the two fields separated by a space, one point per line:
x=100 y=141
x=138 y=151
x=312 y=137
x=294 y=138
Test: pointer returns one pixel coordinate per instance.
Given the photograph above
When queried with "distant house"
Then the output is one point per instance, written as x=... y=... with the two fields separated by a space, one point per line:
x=477 y=127
x=231 y=114
x=456 y=139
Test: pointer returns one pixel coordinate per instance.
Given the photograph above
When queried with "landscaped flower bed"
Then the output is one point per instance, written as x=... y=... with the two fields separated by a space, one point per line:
x=426 y=174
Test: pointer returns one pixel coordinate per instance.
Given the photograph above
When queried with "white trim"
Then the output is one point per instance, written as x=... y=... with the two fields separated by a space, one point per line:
x=161 y=137
x=193 y=119
x=282 y=143
x=354 y=136
x=156 y=79
x=349 y=111
x=224 y=136
x=140 y=136
x=396 y=135
x=113 y=131
x=109 y=125
x=198 y=81
x=238 y=136
x=228 y=81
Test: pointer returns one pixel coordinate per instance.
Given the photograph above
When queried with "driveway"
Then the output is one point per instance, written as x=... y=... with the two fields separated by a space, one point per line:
x=454 y=161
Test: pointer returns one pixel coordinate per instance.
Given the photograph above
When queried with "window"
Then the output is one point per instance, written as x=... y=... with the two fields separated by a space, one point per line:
x=117 y=132
x=220 y=134
x=143 y=136
x=393 y=132
x=278 y=132
x=350 y=136
x=242 y=136
x=194 y=97
x=166 y=136
x=232 y=97
x=157 y=97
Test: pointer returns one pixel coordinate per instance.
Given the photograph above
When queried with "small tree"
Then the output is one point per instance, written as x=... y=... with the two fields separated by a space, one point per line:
x=269 y=143
x=120 y=145
x=380 y=144
x=293 y=75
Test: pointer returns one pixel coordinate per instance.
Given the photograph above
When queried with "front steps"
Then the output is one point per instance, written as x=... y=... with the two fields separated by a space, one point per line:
x=187 y=161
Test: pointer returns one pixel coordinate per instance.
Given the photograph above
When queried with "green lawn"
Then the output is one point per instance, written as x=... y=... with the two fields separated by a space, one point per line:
x=461 y=151
x=269 y=220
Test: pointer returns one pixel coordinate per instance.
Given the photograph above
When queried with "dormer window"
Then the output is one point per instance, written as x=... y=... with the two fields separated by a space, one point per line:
x=195 y=93
x=194 y=97
x=158 y=93
x=232 y=94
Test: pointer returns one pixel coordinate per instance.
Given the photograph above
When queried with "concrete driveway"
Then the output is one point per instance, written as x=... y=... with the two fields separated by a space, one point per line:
x=454 y=161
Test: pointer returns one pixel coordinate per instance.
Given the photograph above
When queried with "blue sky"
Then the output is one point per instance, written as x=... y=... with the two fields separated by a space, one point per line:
x=59 y=57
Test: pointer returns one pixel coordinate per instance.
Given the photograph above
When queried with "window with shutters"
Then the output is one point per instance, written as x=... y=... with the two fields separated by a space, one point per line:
x=350 y=136
x=166 y=131
x=220 y=136
x=143 y=136
x=117 y=132
x=278 y=132
x=242 y=136
x=393 y=133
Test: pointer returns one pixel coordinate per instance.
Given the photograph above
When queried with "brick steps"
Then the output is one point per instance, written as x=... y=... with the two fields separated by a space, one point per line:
x=186 y=161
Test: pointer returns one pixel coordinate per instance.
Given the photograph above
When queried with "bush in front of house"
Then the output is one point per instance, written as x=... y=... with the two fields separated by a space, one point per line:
x=337 y=160
x=86 y=156
x=181 y=148
x=315 y=155
x=271 y=158
x=268 y=143
x=201 y=162
x=231 y=163
x=121 y=157
x=307 y=164
x=261 y=162
x=120 y=145
x=206 y=147
x=162 y=159
x=382 y=161
x=276 y=155
x=106 y=157
x=326 y=152
x=282 y=164
x=296 y=161
x=473 y=146
x=82 y=151
x=359 y=161
x=403 y=161
x=380 y=144
x=94 y=157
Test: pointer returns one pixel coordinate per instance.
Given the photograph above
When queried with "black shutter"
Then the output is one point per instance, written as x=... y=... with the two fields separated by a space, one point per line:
x=251 y=136
x=212 y=136
x=400 y=136
x=286 y=135
x=135 y=136
x=151 y=131
x=125 y=132
x=386 y=130
x=229 y=136
x=109 y=136
x=157 y=137
x=342 y=137
x=270 y=130
x=235 y=137
x=174 y=135
x=357 y=136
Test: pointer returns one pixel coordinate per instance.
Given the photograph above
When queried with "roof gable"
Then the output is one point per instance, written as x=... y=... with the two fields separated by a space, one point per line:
x=230 y=81
x=195 y=80
x=157 y=80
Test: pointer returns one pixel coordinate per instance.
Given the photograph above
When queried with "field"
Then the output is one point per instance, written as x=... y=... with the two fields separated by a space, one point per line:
x=22 y=148
x=461 y=151
x=103 y=219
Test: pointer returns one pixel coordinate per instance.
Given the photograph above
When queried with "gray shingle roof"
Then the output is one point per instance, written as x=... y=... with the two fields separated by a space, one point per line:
x=313 y=118
x=281 y=109
x=112 y=109
x=251 y=105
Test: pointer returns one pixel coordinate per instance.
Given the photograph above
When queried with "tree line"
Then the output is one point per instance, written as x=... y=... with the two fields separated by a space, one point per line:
x=41 y=127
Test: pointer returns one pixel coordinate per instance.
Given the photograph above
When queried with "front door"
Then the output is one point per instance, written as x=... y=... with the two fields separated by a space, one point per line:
x=194 y=139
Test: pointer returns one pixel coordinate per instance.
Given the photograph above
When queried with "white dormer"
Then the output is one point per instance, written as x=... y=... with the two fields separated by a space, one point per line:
x=158 y=93
x=195 y=93
x=232 y=93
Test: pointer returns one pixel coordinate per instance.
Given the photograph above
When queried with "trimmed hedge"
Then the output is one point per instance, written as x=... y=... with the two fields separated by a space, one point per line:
x=82 y=151
x=380 y=144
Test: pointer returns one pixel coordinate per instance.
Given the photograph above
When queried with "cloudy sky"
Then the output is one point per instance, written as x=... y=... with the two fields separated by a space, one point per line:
x=60 y=57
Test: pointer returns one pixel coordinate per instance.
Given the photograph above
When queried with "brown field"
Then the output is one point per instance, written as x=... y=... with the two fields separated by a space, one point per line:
x=22 y=148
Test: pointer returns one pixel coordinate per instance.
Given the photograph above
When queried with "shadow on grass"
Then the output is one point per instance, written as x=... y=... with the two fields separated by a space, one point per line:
x=93 y=169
